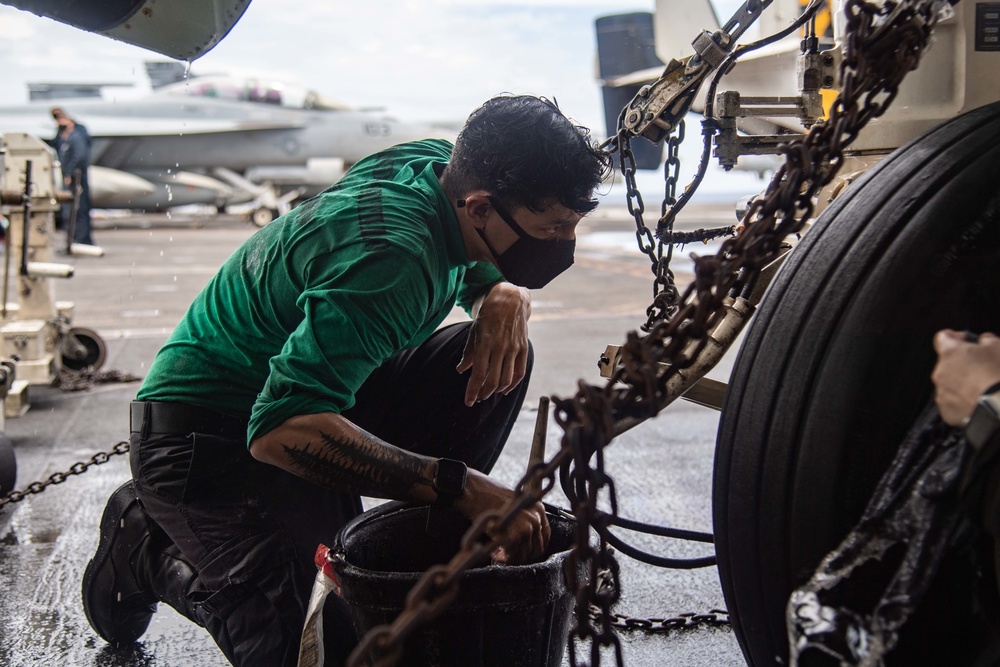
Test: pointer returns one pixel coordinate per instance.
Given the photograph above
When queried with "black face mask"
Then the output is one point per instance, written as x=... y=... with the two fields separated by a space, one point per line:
x=530 y=262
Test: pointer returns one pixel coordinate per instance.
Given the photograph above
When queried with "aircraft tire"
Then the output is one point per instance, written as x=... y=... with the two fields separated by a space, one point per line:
x=263 y=216
x=8 y=465
x=835 y=369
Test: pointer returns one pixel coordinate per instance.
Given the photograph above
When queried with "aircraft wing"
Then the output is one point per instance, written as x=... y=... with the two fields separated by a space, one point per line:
x=151 y=117
x=119 y=127
x=33 y=125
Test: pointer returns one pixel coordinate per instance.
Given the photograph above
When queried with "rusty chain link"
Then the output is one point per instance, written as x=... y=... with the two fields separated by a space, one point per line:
x=607 y=579
x=715 y=618
x=665 y=292
x=884 y=41
x=82 y=380
x=77 y=468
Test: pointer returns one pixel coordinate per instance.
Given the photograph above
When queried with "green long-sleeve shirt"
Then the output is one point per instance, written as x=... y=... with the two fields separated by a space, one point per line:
x=299 y=316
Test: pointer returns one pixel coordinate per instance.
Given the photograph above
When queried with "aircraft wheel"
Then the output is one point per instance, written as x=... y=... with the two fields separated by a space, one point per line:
x=836 y=368
x=85 y=350
x=8 y=465
x=263 y=216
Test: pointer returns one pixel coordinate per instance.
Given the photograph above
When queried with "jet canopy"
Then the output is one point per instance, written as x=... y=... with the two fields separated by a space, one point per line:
x=280 y=94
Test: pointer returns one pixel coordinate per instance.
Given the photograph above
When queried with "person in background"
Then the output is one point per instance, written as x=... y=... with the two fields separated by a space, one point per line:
x=72 y=144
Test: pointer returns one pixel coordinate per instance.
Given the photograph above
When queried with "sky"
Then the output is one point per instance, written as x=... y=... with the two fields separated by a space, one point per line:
x=433 y=60
x=419 y=59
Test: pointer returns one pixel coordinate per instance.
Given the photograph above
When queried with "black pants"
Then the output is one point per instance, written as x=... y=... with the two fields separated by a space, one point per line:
x=250 y=530
x=82 y=224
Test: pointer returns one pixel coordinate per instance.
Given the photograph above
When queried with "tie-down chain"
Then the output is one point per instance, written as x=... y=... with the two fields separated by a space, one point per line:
x=884 y=41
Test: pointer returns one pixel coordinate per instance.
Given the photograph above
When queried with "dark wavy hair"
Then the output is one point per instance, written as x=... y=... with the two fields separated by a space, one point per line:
x=524 y=151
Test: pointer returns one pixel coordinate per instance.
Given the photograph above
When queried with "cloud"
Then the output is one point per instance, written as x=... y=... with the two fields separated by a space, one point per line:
x=427 y=59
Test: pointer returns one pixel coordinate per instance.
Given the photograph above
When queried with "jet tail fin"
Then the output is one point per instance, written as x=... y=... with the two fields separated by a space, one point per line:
x=625 y=44
x=163 y=73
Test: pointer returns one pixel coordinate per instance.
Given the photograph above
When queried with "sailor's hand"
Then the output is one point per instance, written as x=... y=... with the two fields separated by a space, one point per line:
x=964 y=370
x=527 y=536
x=497 y=349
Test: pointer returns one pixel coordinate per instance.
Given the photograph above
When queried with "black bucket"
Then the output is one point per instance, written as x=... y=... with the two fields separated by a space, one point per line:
x=503 y=616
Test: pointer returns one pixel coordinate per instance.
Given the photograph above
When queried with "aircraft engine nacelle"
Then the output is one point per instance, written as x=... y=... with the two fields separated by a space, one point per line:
x=317 y=175
x=182 y=29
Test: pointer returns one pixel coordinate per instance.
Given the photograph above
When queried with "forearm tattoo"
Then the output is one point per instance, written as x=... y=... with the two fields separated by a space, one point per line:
x=362 y=465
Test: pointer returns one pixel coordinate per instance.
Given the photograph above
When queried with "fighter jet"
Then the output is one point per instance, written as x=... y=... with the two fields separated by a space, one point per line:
x=218 y=140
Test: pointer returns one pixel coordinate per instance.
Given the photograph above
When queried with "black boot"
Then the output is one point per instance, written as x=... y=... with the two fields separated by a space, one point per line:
x=164 y=569
x=117 y=604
